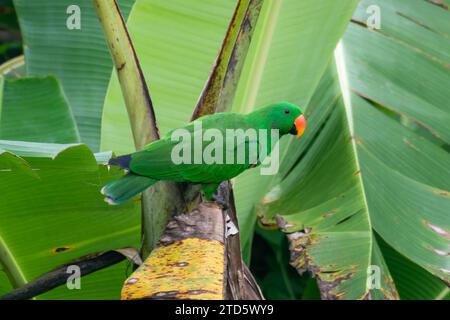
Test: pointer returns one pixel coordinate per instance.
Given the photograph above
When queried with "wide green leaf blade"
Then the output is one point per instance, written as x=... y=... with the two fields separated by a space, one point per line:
x=424 y=107
x=79 y=58
x=412 y=281
x=374 y=171
x=40 y=232
x=319 y=201
x=35 y=109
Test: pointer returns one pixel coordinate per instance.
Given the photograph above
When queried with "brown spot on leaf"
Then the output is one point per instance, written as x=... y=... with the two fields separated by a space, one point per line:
x=439 y=3
x=326 y=287
x=356 y=139
x=60 y=249
x=442 y=193
x=282 y=223
x=330 y=278
x=179 y=264
x=359 y=22
x=298 y=241
x=329 y=213
x=442 y=232
x=267 y=224
x=119 y=68
x=409 y=144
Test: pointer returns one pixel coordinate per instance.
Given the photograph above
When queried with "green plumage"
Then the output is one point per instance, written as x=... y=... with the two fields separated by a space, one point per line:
x=156 y=161
x=125 y=188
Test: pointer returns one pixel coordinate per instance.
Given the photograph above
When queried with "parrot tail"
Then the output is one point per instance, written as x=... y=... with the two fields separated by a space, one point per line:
x=125 y=188
x=121 y=161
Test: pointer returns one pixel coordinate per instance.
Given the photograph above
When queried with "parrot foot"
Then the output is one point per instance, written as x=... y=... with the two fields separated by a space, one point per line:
x=220 y=201
x=212 y=192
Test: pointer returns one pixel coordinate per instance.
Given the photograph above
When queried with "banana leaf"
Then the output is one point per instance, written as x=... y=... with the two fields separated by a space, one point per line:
x=51 y=119
x=79 y=58
x=62 y=221
x=371 y=172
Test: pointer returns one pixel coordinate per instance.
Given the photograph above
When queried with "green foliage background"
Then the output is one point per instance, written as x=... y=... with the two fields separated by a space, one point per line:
x=367 y=184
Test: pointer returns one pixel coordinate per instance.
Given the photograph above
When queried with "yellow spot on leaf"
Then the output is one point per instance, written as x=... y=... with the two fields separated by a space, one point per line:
x=192 y=268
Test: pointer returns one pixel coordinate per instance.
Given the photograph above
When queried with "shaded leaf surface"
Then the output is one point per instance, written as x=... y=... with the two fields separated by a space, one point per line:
x=377 y=174
x=39 y=232
x=79 y=58
x=35 y=109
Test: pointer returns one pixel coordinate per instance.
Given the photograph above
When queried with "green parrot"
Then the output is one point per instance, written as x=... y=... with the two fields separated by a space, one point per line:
x=212 y=149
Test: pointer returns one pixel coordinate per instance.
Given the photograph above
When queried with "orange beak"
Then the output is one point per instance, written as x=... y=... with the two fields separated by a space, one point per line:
x=300 y=125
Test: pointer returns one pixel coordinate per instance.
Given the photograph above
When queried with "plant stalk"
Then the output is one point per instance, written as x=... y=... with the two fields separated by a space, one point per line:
x=163 y=199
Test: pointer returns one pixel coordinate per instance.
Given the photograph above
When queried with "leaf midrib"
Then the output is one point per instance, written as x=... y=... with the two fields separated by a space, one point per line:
x=346 y=93
x=11 y=267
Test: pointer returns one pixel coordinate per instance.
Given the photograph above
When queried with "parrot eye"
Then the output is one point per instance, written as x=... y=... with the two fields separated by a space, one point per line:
x=286 y=111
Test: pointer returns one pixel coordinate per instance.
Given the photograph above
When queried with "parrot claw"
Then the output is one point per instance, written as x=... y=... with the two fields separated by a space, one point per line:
x=220 y=201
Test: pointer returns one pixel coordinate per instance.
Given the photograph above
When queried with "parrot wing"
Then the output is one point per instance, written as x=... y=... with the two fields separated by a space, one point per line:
x=157 y=160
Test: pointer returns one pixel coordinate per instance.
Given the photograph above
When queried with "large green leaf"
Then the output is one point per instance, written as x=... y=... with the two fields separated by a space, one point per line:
x=287 y=58
x=360 y=170
x=78 y=57
x=412 y=281
x=414 y=37
x=321 y=196
x=52 y=212
x=35 y=109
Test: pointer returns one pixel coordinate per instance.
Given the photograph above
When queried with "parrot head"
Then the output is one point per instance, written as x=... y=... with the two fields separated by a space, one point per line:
x=287 y=117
